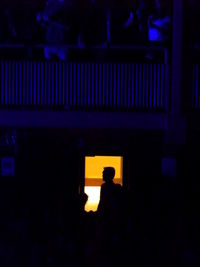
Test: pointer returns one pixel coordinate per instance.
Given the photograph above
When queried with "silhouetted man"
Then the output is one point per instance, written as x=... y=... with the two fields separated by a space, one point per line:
x=110 y=211
x=111 y=194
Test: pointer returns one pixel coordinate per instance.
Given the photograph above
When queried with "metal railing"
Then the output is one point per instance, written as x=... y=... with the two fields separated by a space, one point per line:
x=84 y=85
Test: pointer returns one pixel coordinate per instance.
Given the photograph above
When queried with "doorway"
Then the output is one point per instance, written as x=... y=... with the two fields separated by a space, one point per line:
x=94 y=166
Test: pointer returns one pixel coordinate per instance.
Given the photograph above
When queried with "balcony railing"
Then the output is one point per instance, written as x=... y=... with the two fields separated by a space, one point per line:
x=88 y=85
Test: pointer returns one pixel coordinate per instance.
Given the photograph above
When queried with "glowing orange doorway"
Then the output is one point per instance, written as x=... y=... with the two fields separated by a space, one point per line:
x=93 y=176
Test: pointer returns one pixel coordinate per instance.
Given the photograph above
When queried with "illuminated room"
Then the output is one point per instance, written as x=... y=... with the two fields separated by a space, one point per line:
x=94 y=166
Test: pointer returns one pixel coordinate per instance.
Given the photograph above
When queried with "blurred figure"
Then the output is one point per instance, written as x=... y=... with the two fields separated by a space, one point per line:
x=143 y=10
x=137 y=21
x=159 y=23
x=50 y=18
x=7 y=28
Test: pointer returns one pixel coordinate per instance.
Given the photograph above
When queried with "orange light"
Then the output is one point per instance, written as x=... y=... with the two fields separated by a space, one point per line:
x=93 y=177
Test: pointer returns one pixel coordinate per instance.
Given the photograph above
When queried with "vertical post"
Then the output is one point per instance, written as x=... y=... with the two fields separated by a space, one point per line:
x=176 y=134
x=177 y=57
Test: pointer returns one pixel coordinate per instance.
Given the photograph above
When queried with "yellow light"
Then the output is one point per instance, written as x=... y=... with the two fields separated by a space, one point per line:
x=93 y=177
x=93 y=193
x=94 y=166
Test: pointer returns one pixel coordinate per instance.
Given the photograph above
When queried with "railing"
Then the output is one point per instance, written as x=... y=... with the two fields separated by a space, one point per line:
x=107 y=52
x=84 y=85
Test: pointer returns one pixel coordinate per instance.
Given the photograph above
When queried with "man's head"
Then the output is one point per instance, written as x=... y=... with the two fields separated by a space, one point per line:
x=108 y=174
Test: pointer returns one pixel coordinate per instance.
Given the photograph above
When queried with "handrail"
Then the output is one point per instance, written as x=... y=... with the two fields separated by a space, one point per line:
x=95 y=47
x=84 y=86
x=75 y=46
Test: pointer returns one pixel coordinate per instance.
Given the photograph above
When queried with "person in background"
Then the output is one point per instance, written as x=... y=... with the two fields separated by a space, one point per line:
x=50 y=18
x=7 y=28
x=137 y=21
x=159 y=23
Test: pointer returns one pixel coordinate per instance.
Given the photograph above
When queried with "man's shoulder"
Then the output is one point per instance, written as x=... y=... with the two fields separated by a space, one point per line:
x=118 y=186
x=103 y=185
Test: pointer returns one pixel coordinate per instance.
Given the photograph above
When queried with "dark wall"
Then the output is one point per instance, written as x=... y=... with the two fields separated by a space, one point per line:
x=50 y=159
x=50 y=164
